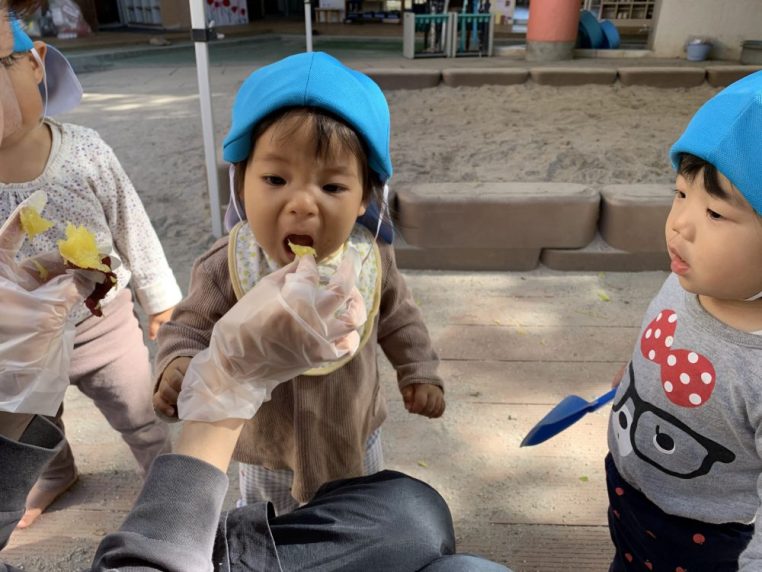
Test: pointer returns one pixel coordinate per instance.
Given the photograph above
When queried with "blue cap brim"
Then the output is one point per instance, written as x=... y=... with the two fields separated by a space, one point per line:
x=64 y=89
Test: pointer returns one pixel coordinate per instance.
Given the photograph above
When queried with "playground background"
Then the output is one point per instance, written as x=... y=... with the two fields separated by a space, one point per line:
x=512 y=343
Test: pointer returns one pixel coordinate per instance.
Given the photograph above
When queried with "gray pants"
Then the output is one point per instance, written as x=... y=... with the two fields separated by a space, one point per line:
x=385 y=522
x=110 y=365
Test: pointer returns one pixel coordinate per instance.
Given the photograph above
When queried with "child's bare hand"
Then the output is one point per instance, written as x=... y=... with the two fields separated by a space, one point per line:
x=617 y=379
x=424 y=399
x=165 y=398
x=156 y=320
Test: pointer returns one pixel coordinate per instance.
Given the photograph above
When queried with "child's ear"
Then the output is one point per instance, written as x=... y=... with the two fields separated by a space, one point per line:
x=38 y=62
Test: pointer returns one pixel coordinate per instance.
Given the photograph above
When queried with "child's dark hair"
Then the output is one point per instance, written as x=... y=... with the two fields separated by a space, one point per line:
x=20 y=8
x=330 y=133
x=691 y=166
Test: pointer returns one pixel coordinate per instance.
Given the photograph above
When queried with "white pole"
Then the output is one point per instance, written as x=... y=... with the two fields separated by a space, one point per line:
x=308 y=23
x=201 y=37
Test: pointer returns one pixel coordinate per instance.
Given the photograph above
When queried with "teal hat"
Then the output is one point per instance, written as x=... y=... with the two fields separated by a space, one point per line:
x=727 y=132
x=312 y=79
x=61 y=90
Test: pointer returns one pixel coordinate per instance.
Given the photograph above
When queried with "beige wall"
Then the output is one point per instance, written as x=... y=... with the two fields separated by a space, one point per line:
x=727 y=22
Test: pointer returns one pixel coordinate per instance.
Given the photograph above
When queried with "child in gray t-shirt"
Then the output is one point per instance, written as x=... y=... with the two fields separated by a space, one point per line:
x=686 y=427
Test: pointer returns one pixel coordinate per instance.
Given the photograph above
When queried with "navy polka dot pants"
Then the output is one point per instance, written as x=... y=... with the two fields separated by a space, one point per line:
x=647 y=538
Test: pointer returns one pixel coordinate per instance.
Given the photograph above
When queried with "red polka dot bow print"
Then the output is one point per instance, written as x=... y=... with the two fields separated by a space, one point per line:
x=687 y=377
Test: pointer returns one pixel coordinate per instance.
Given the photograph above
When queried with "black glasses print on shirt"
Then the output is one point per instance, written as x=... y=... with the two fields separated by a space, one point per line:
x=662 y=440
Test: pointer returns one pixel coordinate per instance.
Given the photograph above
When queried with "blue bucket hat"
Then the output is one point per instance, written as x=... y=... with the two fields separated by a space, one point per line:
x=312 y=79
x=317 y=80
x=727 y=132
x=61 y=90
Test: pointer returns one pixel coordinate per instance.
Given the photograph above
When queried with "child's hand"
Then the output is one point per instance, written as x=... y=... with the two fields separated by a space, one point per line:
x=618 y=376
x=156 y=320
x=165 y=398
x=424 y=399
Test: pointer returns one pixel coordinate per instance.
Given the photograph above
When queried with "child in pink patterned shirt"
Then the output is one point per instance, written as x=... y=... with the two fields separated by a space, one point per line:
x=86 y=185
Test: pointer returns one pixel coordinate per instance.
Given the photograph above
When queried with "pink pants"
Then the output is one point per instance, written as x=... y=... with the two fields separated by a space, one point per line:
x=110 y=365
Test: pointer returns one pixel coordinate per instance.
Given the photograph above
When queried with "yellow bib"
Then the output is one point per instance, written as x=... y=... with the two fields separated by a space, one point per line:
x=248 y=264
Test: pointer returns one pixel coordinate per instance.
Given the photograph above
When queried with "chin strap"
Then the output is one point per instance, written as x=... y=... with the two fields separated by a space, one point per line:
x=233 y=195
x=755 y=297
x=37 y=57
x=381 y=213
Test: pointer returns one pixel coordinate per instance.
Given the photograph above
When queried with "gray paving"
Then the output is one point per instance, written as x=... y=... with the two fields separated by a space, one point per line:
x=512 y=345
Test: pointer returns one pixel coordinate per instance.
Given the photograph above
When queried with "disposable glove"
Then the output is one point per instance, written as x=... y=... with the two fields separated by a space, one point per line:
x=36 y=337
x=288 y=323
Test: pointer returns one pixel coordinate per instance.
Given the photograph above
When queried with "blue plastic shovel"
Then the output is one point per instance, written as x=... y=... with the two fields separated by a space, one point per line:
x=570 y=409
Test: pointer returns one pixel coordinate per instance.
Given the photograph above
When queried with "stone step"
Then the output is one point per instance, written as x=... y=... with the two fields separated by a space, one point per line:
x=455 y=77
x=720 y=76
x=397 y=78
x=633 y=216
x=662 y=76
x=601 y=256
x=448 y=258
x=563 y=76
x=513 y=226
x=503 y=215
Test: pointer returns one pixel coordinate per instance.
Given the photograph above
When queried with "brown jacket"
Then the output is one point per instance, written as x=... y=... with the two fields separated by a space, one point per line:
x=315 y=426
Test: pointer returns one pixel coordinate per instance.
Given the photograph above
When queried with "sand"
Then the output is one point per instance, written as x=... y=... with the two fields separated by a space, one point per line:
x=587 y=134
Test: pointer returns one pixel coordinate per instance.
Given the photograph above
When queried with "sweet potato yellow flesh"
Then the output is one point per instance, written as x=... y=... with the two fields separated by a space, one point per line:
x=32 y=222
x=80 y=249
x=300 y=250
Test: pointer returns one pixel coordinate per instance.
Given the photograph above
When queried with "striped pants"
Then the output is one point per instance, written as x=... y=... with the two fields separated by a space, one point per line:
x=260 y=484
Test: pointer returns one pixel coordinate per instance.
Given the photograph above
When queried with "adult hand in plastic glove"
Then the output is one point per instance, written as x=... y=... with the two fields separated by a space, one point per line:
x=36 y=337
x=282 y=327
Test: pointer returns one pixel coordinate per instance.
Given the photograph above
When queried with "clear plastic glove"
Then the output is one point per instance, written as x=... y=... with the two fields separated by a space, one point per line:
x=282 y=327
x=36 y=337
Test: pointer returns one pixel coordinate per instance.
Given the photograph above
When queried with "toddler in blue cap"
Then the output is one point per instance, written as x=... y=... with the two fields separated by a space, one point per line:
x=85 y=185
x=685 y=434
x=309 y=148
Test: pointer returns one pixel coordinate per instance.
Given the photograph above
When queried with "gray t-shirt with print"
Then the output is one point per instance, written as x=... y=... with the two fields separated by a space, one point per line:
x=686 y=425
